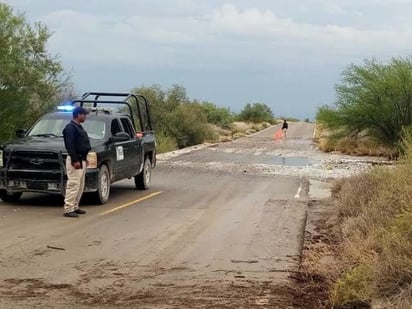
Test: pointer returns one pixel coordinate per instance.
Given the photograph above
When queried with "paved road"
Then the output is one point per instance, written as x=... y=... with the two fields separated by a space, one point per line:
x=211 y=232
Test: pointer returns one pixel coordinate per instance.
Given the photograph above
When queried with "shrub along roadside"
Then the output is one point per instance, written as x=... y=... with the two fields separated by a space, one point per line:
x=181 y=122
x=358 y=146
x=373 y=100
x=376 y=225
x=256 y=113
x=31 y=79
x=165 y=143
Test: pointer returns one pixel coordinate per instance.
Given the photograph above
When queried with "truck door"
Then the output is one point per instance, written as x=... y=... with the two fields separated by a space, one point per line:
x=118 y=150
x=134 y=152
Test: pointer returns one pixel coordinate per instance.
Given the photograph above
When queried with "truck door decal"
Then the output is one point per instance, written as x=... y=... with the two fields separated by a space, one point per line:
x=119 y=153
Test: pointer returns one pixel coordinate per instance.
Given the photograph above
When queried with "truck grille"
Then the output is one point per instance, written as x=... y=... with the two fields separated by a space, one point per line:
x=35 y=171
x=34 y=161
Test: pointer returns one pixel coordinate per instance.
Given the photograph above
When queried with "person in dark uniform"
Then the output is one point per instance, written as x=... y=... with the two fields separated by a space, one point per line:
x=285 y=127
x=77 y=144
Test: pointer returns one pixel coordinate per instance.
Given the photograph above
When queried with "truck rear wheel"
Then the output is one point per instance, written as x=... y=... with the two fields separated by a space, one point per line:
x=10 y=197
x=103 y=188
x=142 y=181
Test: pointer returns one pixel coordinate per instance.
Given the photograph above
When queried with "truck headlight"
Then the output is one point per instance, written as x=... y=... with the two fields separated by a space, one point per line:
x=1 y=158
x=92 y=160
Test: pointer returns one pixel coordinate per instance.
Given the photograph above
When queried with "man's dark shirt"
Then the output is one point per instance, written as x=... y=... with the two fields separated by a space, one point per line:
x=76 y=141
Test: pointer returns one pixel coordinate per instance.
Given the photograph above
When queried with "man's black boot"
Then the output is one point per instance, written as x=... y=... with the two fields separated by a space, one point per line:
x=71 y=214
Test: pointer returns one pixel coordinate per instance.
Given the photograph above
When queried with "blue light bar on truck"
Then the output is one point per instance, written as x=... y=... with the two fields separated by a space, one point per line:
x=65 y=108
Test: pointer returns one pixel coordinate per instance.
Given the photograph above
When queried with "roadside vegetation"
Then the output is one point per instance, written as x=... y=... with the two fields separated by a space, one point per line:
x=370 y=239
x=31 y=80
x=359 y=251
x=359 y=146
x=375 y=212
x=373 y=109
x=181 y=122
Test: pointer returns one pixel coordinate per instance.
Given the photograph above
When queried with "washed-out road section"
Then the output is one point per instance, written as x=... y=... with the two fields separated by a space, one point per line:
x=221 y=227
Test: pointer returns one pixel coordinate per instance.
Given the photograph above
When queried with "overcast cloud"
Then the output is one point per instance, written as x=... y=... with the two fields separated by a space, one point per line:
x=287 y=54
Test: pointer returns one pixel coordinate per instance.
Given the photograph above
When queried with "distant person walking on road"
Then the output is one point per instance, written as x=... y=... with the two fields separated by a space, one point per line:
x=77 y=144
x=285 y=127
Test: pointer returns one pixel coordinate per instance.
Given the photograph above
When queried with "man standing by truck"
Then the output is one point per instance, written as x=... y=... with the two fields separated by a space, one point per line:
x=77 y=144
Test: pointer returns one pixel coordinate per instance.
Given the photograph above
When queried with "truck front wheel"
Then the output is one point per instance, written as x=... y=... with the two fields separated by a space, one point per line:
x=10 y=197
x=103 y=186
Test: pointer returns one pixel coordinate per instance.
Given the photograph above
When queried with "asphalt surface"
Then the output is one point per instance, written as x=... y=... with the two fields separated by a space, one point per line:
x=205 y=235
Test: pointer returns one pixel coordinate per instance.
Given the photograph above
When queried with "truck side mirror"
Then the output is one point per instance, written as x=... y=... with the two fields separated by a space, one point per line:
x=119 y=137
x=20 y=133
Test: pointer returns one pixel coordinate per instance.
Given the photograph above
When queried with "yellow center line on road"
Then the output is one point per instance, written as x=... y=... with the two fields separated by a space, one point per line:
x=131 y=203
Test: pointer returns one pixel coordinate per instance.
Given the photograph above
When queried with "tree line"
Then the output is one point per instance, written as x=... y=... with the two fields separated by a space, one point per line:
x=30 y=78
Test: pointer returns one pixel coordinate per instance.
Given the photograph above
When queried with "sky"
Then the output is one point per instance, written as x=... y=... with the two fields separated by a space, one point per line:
x=286 y=54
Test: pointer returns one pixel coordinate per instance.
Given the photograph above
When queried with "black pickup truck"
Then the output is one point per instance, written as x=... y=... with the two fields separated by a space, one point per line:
x=123 y=146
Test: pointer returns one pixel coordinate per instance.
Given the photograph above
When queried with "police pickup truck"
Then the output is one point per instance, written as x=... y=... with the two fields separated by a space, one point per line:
x=122 y=139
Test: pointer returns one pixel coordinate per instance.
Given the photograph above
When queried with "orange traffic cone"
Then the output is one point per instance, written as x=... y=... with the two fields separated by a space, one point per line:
x=278 y=135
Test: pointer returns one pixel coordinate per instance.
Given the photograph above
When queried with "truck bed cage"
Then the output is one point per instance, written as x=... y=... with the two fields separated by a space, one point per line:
x=124 y=99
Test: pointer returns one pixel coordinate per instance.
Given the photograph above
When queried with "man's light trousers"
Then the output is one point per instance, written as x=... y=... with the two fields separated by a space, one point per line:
x=74 y=186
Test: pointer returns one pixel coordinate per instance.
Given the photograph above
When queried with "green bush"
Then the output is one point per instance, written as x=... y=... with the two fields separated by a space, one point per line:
x=374 y=99
x=174 y=115
x=256 y=113
x=354 y=288
x=31 y=80
x=394 y=265
x=189 y=125
x=165 y=143
x=219 y=116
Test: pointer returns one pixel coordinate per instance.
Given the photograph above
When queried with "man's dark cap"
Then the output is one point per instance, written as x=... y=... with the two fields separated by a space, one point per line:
x=78 y=110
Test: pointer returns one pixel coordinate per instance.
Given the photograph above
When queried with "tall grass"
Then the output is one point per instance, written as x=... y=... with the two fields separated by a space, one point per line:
x=165 y=143
x=355 y=146
x=376 y=214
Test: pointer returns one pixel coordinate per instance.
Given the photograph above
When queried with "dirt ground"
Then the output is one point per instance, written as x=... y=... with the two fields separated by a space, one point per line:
x=312 y=284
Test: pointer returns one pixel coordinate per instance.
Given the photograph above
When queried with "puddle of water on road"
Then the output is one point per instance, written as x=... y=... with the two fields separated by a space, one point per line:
x=291 y=161
x=263 y=159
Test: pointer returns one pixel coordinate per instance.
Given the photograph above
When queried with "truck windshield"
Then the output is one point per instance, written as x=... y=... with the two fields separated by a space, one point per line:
x=52 y=126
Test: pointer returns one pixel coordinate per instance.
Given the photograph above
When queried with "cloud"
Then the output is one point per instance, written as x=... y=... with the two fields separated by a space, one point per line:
x=230 y=51
x=254 y=24
x=209 y=38
x=232 y=17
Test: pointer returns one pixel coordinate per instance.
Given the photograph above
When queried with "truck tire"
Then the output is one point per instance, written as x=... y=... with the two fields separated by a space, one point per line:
x=10 y=197
x=103 y=188
x=142 y=181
